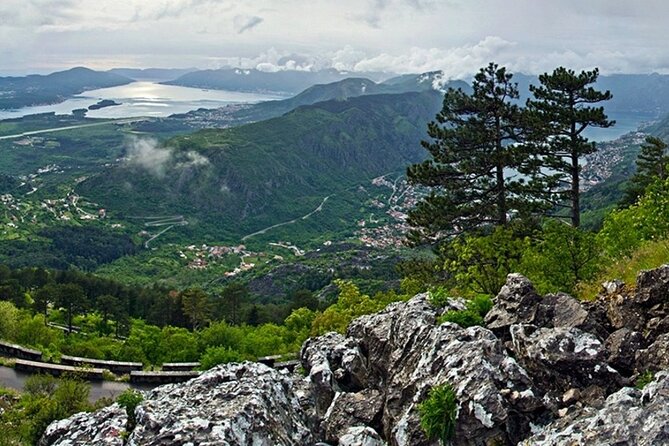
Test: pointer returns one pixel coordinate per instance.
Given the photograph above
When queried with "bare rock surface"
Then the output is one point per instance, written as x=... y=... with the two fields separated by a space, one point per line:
x=629 y=417
x=235 y=404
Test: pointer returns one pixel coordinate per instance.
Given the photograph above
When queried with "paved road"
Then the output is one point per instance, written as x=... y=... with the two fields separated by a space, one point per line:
x=99 y=389
x=304 y=217
x=72 y=127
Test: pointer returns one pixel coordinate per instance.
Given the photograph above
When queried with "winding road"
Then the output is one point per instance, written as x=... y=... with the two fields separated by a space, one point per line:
x=304 y=217
x=73 y=127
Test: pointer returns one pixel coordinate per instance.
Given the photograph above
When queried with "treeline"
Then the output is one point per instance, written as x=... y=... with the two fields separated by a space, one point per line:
x=505 y=188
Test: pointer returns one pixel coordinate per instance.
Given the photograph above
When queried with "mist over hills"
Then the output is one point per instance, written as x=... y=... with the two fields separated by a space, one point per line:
x=238 y=180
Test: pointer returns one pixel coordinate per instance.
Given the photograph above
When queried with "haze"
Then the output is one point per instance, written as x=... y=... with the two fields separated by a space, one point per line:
x=401 y=36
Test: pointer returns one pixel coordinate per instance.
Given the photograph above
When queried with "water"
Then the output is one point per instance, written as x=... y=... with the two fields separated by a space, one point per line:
x=625 y=123
x=99 y=389
x=144 y=99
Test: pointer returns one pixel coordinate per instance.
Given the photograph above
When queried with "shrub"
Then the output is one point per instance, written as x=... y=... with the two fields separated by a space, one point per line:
x=214 y=356
x=644 y=379
x=464 y=318
x=439 y=413
x=129 y=400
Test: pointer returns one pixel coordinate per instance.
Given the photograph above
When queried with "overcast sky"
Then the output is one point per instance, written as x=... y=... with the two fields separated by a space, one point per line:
x=457 y=36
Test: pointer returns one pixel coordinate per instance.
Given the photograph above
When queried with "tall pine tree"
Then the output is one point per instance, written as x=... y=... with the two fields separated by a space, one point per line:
x=472 y=148
x=562 y=111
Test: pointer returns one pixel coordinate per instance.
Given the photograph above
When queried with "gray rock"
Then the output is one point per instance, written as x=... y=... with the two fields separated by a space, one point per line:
x=233 y=404
x=628 y=417
x=352 y=409
x=407 y=354
x=563 y=358
x=361 y=436
x=621 y=349
x=105 y=427
x=655 y=357
x=515 y=303
x=652 y=286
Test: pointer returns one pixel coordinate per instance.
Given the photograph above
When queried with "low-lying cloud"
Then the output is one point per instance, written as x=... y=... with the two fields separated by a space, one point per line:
x=149 y=155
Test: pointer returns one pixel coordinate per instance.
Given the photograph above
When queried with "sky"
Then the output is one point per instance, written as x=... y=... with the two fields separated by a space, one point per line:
x=399 y=36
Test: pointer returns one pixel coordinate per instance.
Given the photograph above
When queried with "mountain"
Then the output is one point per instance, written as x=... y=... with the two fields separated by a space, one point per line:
x=253 y=80
x=339 y=90
x=231 y=182
x=17 y=92
x=152 y=74
x=632 y=93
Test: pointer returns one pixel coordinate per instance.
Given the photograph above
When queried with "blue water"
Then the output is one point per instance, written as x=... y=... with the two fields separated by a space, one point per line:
x=625 y=123
x=144 y=99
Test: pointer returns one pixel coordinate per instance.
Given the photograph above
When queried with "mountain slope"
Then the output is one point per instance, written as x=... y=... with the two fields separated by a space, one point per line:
x=234 y=181
x=16 y=92
x=254 y=80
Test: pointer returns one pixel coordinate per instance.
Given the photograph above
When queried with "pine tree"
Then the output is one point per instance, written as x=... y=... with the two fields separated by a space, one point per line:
x=651 y=164
x=472 y=148
x=561 y=113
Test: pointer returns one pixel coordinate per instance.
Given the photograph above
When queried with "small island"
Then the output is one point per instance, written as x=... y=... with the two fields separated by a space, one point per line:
x=103 y=103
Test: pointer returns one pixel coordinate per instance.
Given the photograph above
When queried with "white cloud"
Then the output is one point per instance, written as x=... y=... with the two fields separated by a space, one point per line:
x=148 y=154
x=246 y=23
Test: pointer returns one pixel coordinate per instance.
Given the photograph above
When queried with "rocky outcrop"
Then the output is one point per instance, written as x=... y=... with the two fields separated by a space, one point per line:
x=545 y=370
x=400 y=353
x=628 y=417
x=105 y=427
x=240 y=404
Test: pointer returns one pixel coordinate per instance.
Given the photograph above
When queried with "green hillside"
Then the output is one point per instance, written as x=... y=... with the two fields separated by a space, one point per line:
x=232 y=182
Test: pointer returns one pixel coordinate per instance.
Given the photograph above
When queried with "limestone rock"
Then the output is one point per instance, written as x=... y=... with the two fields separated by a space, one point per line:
x=628 y=417
x=361 y=436
x=621 y=348
x=515 y=303
x=655 y=357
x=105 y=427
x=563 y=358
x=406 y=354
x=233 y=404
x=352 y=409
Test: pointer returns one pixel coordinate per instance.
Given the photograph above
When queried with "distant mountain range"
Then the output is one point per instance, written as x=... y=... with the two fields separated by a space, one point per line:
x=152 y=74
x=17 y=92
x=242 y=179
x=251 y=80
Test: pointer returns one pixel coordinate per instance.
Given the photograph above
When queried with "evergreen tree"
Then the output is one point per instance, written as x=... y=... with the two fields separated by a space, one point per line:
x=651 y=164
x=561 y=113
x=472 y=150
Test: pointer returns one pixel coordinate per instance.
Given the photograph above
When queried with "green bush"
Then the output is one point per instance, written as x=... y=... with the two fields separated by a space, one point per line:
x=464 y=318
x=644 y=379
x=214 y=356
x=129 y=400
x=439 y=413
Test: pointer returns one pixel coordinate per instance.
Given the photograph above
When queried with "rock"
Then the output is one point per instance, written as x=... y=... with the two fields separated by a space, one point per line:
x=334 y=364
x=406 y=355
x=361 y=436
x=621 y=349
x=654 y=357
x=518 y=303
x=563 y=358
x=571 y=396
x=352 y=409
x=628 y=417
x=652 y=286
x=240 y=404
x=106 y=427
x=515 y=303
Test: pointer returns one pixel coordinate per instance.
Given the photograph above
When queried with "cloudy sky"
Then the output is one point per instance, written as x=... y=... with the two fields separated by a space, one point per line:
x=457 y=36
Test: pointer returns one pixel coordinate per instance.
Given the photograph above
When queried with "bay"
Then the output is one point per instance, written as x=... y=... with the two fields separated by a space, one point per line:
x=144 y=99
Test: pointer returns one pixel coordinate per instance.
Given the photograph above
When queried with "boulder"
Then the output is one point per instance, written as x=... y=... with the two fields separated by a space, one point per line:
x=240 y=404
x=406 y=354
x=361 y=436
x=628 y=417
x=351 y=410
x=106 y=427
x=515 y=303
x=621 y=349
x=655 y=357
x=561 y=358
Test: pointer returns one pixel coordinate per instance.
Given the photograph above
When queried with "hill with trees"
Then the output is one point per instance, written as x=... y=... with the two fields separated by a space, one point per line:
x=37 y=89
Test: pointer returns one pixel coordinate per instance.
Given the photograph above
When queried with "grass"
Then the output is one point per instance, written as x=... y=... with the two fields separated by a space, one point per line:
x=650 y=255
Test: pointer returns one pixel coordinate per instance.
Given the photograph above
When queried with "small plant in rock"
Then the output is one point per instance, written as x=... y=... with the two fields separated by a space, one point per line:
x=644 y=379
x=439 y=413
x=129 y=400
x=475 y=313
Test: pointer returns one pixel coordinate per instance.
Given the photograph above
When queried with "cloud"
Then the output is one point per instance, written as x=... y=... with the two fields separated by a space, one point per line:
x=245 y=23
x=148 y=154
